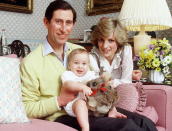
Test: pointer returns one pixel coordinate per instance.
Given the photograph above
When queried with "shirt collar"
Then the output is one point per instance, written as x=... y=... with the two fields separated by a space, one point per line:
x=115 y=62
x=47 y=49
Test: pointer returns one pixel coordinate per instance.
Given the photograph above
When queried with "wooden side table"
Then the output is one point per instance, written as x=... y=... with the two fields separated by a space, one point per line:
x=150 y=83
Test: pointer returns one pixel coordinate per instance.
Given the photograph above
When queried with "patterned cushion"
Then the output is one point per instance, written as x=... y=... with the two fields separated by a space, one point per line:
x=11 y=107
x=132 y=97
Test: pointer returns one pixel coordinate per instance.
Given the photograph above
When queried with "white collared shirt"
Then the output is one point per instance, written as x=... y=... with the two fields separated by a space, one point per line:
x=48 y=50
x=121 y=67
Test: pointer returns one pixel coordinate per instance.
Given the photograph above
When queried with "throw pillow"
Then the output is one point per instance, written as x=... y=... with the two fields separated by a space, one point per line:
x=132 y=97
x=11 y=106
x=149 y=112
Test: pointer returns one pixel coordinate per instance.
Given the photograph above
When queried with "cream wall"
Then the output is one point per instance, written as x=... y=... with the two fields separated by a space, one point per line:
x=25 y=26
x=30 y=26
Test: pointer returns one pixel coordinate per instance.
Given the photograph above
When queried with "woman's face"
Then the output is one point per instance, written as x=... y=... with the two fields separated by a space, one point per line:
x=108 y=47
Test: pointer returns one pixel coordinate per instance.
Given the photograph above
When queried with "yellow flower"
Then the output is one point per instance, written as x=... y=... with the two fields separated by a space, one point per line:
x=158 y=69
x=154 y=41
x=158 y=56
x=156 y=62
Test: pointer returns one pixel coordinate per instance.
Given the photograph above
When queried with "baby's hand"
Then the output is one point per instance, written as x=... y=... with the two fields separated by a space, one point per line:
x=116 y=114
x=87 y=91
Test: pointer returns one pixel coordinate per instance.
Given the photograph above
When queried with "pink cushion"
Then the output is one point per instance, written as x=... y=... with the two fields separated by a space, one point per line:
x=10 y=56
x=128 y=97
x=132 y=97
x=150 y=112
x=160 y=128
x=36 y=125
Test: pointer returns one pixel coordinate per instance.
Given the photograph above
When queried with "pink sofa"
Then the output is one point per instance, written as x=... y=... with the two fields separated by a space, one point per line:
x=160 y=96
x=36 y=125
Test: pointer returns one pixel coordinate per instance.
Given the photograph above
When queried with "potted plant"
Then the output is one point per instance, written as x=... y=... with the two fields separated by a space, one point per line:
x=156 y=58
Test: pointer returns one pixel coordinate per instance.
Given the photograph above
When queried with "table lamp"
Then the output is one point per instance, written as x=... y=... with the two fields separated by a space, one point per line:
x=144 y=15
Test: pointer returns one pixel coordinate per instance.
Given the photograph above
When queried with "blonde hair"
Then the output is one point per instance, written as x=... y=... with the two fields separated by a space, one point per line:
x=73 y=53
x=105 y=28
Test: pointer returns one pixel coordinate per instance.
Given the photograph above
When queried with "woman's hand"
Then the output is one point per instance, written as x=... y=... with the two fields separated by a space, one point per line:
x=136 y=75
x=115 y=114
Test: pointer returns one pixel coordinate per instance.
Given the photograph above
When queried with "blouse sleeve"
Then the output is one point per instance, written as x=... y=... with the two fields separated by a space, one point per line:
x=127 y=68
x=93 y=63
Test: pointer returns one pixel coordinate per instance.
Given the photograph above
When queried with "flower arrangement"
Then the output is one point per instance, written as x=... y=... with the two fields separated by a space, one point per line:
x=158 y=56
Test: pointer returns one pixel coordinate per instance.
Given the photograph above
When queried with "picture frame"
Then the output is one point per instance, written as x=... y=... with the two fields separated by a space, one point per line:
x=97 y=7
x=87 y=36
x=21 y=6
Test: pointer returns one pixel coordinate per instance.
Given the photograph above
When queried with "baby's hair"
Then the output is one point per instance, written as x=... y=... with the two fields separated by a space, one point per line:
x=74 y=52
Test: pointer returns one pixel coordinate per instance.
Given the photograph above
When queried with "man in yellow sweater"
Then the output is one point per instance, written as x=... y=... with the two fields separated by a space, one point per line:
x=42 y=68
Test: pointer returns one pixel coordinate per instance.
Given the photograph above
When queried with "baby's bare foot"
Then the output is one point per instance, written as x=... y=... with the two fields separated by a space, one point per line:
x=85 y=129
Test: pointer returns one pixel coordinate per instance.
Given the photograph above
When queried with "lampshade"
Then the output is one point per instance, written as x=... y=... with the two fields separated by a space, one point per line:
x=145 y=15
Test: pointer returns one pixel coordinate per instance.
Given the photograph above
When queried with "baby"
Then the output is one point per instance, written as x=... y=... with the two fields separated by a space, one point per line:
x=77 y=74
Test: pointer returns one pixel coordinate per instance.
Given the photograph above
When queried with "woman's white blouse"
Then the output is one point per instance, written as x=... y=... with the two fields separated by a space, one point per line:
x=121 y=67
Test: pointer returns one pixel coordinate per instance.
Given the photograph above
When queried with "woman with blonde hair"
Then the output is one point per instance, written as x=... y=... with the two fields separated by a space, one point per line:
x=112 y=50
x=112 y=53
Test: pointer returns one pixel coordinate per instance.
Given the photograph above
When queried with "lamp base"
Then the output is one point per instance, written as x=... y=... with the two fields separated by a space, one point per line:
x=141 y=41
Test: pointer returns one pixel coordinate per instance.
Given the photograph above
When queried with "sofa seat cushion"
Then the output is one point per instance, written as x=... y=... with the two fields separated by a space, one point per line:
x=36 y=125
x=159 y=128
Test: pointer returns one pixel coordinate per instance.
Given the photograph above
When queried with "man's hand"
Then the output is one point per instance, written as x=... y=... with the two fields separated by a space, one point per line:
x=65 y=97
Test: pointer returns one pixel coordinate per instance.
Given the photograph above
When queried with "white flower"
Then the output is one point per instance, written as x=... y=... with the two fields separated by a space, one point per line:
x=166 y=70
x=167 y=60
x=158 y=56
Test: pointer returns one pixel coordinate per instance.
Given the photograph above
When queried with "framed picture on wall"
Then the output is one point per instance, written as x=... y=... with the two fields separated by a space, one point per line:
x=21 y=6
x=96 y=7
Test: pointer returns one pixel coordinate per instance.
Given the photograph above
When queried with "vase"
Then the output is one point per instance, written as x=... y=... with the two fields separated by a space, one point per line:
x=156 y=76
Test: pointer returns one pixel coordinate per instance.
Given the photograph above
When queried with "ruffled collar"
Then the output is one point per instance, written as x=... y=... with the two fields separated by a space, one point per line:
x=103 y=61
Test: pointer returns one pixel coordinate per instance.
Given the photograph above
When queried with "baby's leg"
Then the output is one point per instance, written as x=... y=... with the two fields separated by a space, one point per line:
x=80 y=110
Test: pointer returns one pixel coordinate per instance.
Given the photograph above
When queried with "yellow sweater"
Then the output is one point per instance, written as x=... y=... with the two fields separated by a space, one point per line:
x=40 y=77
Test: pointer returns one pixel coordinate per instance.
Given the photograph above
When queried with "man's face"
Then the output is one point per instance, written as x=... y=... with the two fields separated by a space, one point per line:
x=59 y=27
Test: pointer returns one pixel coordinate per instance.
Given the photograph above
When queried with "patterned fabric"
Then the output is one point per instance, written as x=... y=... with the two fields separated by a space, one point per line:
x=11 y=107
x=132 y=97
x=128 y=97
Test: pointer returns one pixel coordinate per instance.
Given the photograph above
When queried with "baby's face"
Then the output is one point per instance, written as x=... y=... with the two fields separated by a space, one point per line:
x=79 y=64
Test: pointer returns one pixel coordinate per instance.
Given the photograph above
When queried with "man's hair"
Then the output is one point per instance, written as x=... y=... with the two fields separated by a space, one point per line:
x=57 y=5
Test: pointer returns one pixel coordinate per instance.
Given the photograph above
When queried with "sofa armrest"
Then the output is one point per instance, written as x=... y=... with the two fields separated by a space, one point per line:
x=160 y=97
